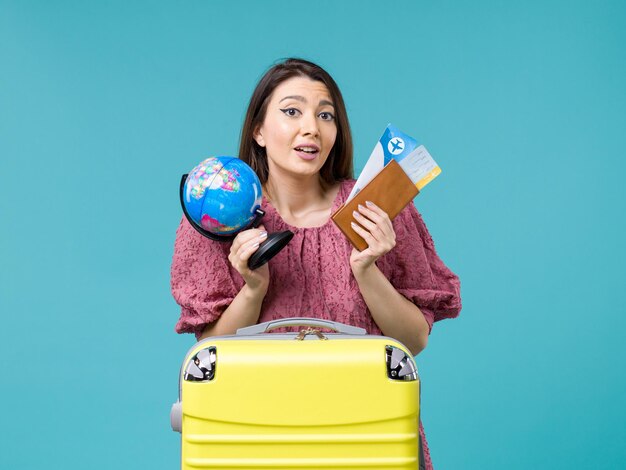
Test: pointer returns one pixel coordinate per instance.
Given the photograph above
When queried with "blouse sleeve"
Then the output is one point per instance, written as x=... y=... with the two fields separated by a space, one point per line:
x=202 y=282
x=416 y=271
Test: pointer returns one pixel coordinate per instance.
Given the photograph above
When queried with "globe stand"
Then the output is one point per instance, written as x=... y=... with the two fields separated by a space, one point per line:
x=267 y=250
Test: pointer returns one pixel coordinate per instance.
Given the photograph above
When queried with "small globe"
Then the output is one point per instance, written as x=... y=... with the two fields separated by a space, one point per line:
x=222 y=194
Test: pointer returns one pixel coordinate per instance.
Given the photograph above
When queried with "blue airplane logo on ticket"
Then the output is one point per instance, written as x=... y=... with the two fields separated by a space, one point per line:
x=396 y=144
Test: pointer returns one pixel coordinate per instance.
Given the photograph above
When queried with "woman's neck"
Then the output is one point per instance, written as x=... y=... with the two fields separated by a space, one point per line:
x=300 y=201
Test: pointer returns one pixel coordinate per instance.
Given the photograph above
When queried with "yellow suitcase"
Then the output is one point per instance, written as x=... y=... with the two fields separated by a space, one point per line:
x=311 y=399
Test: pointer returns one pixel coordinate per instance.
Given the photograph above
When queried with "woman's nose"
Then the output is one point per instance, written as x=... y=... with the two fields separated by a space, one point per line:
x=309 y=124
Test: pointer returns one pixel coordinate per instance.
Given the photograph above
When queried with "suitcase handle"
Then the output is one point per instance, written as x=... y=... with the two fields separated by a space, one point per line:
x=301 y=321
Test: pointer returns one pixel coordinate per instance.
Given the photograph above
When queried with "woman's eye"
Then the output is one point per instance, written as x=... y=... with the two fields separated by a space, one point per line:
x=290 y=111
x=326 y=116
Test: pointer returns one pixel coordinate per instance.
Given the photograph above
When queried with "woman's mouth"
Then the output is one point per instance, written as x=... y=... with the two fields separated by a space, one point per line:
x=307 y=152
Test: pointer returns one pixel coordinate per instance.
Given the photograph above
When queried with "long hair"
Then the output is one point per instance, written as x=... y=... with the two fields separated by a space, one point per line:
x=338 y=166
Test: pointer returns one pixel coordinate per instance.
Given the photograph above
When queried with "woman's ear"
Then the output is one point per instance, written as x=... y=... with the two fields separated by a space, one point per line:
x=258 y=137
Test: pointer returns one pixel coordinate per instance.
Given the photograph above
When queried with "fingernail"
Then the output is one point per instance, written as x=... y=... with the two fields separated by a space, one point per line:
x=256 y=245
x=355 y=213
x=263 y=235
x=369 y=203
x=353 y=225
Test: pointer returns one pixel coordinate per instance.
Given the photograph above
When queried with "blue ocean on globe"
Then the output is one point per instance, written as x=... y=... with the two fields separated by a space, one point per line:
x=222 y=194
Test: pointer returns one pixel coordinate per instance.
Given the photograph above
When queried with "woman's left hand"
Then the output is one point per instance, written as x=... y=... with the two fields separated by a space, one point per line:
x=374 y=225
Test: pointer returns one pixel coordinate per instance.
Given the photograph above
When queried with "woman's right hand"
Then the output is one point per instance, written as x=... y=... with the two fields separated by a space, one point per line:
x=244 y=245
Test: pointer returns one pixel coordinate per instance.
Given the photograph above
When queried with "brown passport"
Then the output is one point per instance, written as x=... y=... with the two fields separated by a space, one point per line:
x=391 y=190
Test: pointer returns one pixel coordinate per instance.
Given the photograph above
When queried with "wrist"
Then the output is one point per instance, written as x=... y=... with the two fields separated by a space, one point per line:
x=256 y=291
x=361 y=272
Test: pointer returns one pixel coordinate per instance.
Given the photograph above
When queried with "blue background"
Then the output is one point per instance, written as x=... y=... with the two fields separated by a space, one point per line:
x=103 y=105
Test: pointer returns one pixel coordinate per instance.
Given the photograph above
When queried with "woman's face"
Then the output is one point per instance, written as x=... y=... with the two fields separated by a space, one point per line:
x=299 y=129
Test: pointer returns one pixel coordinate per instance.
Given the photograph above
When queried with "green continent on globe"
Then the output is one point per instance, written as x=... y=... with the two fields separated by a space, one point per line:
x=229 y=180
x=203 y=175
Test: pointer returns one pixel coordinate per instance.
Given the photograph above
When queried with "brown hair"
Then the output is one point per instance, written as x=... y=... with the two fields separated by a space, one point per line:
x=338 y=166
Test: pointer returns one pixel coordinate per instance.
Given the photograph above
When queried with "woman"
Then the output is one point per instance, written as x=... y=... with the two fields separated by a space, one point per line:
x=296 y=137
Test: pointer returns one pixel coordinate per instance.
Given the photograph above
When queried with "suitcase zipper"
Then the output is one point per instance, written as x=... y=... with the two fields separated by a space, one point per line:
x=310 y=331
